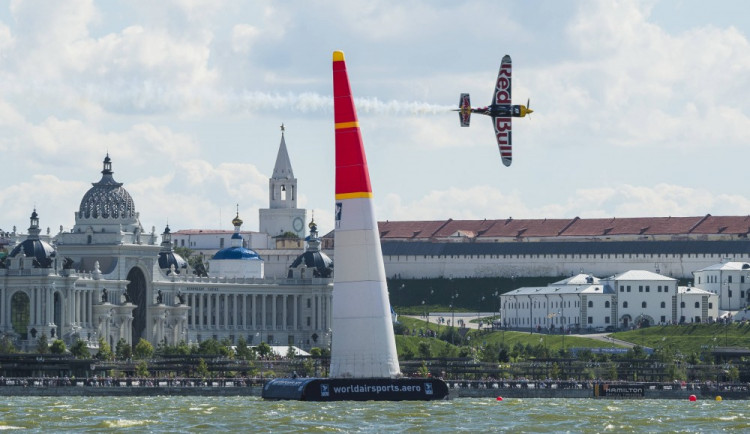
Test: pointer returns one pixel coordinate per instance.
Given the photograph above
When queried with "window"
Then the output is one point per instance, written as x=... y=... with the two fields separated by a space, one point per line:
x=643 y=305
x=606 y=303
x=628 y=288
x=640 y=288
x=622 y=288
x=663 y=305
x=729 y=279
x=606 y=320
x=658 y=288
x=663 y=319
x=730 y=293
x=624 y=304
x=682 y=304
x=591 y=320
x=221 y=243
x=591 y=303
x=697 y=305
x=710 y=305
x=648 y=288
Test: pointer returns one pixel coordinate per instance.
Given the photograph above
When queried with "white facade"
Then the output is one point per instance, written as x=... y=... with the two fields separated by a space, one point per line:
x=209 y=241
x=103 y=279
x=627 y=300
x=427 y=265
x=729 y=280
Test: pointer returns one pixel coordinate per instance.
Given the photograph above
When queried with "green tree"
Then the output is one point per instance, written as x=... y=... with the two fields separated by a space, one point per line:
x=245 y=352
x=7 y=346
x=143 y=349
x=212 y=347
x=425 y=352
x=202 y=369
x=58 y=347
x=105 y=351
x=79 y=349
x=263 y=349
x=290 y=353
x=123 y=350
x=141 y=369
x=42 y=346
x=316 y=353
x=555 y=371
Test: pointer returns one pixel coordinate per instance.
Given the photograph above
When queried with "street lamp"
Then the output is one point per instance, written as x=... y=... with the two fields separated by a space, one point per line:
x=479 y=308
x=453 y=317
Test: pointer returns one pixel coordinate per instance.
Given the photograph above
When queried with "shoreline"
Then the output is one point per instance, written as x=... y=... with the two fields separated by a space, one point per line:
x=457 y=389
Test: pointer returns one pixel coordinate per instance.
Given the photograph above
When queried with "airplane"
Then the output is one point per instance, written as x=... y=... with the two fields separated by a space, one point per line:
x=500 y=110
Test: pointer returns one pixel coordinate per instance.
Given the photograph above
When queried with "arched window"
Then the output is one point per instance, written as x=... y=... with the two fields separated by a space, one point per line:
x=625 y=304
x=591 y=303
x=643 y=305
x=697 y=304
x=663 y=305
x=682 y=304
x=606 y=303
x=20 y=309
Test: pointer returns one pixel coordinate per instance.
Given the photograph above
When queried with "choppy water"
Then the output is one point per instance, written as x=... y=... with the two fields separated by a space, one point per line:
x=251 y=414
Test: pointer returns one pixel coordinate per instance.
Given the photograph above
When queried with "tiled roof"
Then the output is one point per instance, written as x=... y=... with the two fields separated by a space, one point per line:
x=641 y=275
x=209 y=232
x=575 y=227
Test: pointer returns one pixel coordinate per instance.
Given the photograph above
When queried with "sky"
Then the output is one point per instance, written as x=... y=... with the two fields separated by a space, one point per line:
x=641 y=108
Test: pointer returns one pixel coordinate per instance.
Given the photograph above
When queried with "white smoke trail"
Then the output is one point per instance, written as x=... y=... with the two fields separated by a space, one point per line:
x=150 y=99
x=310 y=102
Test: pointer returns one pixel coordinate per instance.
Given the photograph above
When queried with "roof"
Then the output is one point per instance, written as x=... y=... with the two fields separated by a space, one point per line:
x=561 y=289
x=641 y=275
x=578 y=279
x=571 y=227
x=728 y=266
x=693 y=290
x=236 y=253
x=283 y=167
x=210 y=232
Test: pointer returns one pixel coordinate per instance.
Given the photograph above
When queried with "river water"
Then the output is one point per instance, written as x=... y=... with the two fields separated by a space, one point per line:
x=251 y=414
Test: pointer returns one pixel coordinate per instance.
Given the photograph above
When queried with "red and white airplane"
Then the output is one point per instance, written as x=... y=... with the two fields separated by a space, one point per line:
x=501 y=110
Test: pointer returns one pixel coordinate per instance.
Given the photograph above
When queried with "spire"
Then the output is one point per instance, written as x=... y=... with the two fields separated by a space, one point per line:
x=34 y=226
x=283 y=168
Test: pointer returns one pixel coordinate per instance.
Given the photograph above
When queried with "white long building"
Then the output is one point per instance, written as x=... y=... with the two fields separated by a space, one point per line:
x=633 y=298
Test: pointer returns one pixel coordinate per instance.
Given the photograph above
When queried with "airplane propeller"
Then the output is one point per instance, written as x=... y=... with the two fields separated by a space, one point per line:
x=529 y=111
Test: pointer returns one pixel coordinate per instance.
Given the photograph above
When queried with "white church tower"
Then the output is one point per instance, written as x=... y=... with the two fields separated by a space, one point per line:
x=282 y=215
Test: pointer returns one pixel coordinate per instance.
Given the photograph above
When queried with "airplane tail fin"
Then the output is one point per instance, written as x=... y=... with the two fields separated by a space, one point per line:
x=464 y=110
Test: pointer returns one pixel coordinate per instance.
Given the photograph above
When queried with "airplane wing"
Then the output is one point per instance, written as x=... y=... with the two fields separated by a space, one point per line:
x=503 y=134
x=464 y=109
x=503 y=84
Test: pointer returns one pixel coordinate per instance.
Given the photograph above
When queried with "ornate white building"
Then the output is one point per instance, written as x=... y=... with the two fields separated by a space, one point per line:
x=108 y=278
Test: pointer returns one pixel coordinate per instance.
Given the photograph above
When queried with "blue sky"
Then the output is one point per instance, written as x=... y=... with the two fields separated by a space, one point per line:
x=641 y=107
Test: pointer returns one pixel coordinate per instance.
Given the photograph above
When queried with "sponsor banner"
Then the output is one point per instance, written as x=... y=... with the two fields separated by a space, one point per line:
x=356 y=389
x=620 y=390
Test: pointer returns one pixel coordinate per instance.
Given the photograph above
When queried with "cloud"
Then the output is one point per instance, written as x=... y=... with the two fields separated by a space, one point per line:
x=624 y=200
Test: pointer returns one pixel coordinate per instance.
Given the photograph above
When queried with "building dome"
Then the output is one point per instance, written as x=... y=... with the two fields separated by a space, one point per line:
x=167 y=256
x=321 y=264
x=33 y=247
x=319 y=261
x=236 y=253
x=168 y=259
x=107 y=199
